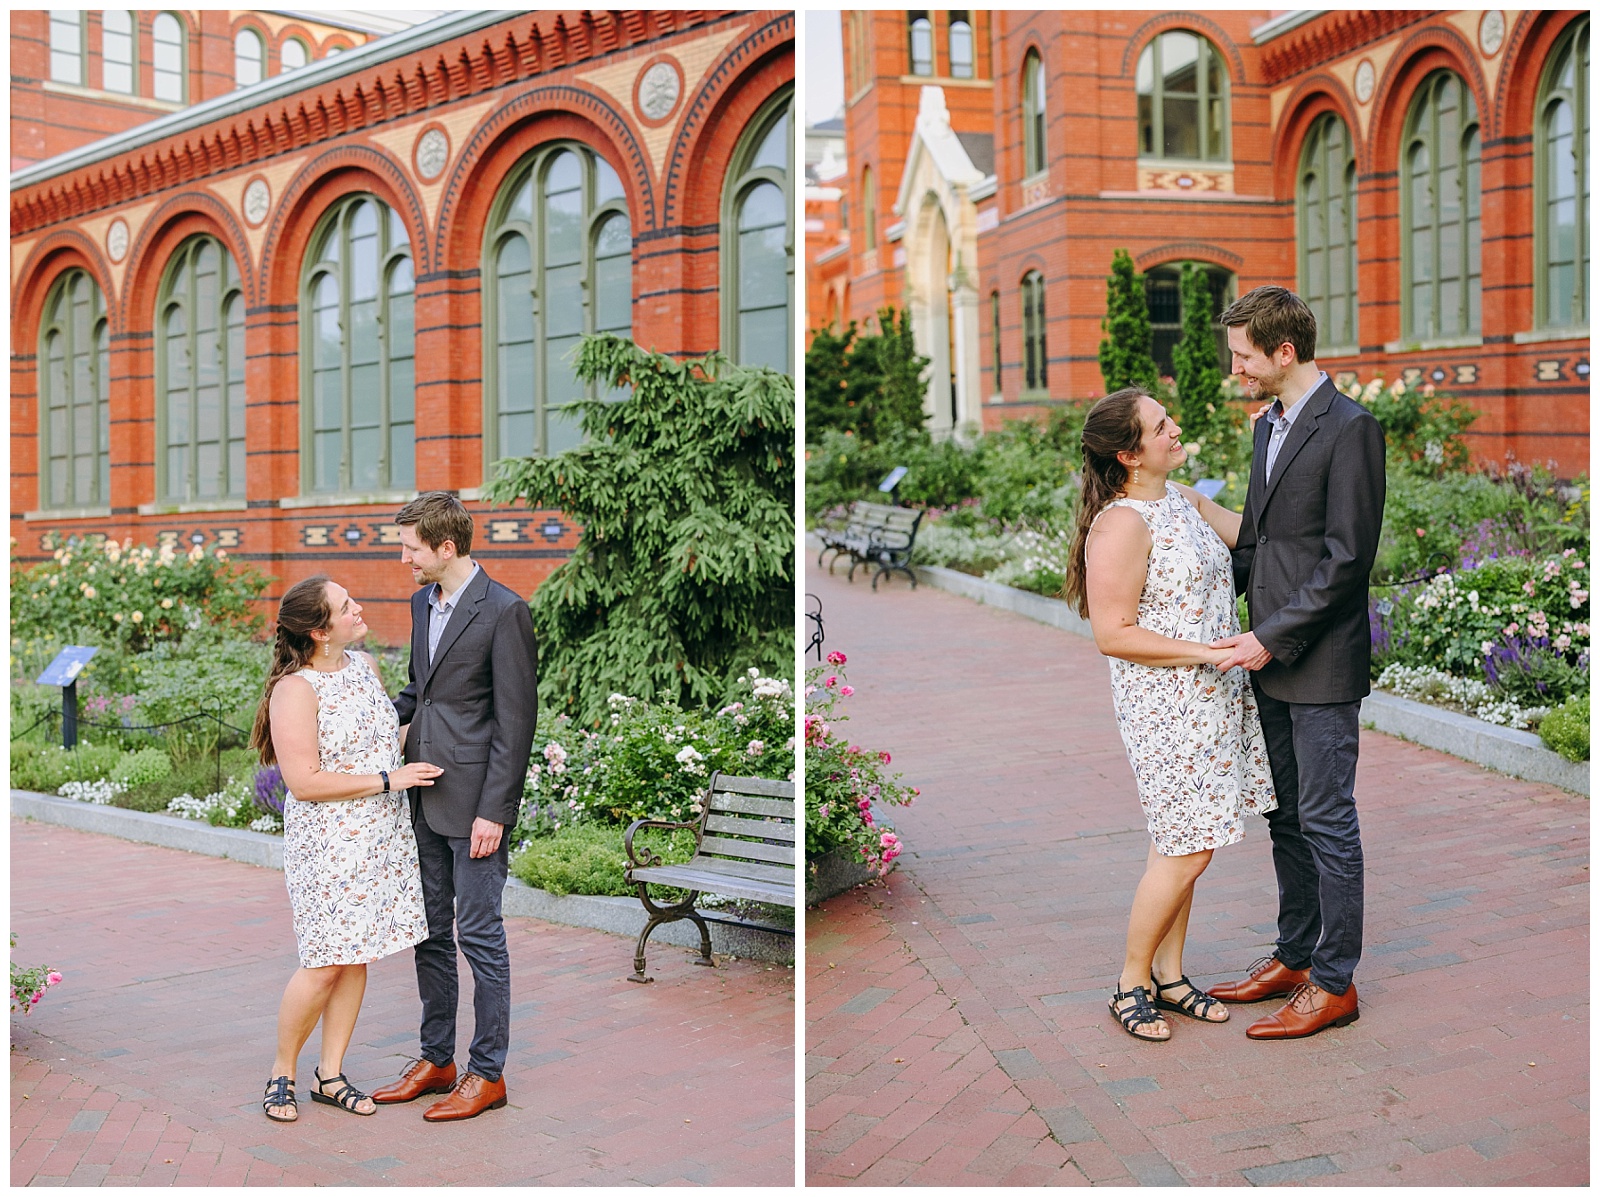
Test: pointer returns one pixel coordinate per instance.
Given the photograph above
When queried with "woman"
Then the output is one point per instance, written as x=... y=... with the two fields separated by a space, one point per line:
x=349 y=854
x=1151 y=571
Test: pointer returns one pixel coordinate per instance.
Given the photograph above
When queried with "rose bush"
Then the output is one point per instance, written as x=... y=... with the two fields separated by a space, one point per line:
x=843 y=780
x=28 y=985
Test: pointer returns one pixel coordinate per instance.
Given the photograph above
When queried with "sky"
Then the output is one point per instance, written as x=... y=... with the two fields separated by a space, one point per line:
x=824 y=65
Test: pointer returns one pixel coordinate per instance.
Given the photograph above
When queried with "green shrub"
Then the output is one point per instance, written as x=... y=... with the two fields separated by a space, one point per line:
x=193 y=775
x=869 y=384
x=211 y=670
x=1422 y=428
x=1566 y=729
x=45 y=768
x=588 y=858
x=142 y=767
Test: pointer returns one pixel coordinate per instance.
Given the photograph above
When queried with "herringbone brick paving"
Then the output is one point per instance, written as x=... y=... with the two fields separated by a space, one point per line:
x=146 y=1065
x=957 y=1030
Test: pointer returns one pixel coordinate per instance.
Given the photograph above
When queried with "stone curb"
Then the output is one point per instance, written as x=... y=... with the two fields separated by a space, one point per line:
x=1503 y=749
x=620 y=916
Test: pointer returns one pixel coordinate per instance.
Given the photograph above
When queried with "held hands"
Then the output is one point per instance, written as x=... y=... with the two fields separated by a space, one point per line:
x=1243 y=649
x=417 y=773
x=485 y=838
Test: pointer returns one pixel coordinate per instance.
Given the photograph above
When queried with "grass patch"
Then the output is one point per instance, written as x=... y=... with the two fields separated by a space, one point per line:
x=587 y=858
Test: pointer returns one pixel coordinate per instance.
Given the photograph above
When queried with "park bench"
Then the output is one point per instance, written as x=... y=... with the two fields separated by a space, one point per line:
x=744 y=848
x=873 y=534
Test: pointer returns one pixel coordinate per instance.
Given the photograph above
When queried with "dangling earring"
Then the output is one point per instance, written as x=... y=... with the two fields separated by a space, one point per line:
x=326 y=651
x=1136 y=475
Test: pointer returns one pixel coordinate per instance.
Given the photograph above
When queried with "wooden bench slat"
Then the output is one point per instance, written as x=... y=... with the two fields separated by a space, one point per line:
x=764 y=787
x=742 y=868
x=765 y=828
x=776 y=808
x=754 y=889
x=745 y=849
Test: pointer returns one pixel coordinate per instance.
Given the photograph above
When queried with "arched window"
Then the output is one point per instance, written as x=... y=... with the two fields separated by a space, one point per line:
x=1035 y=359
x=1441 y=242
x=66 y=45
x=1561 y=185
x=293 y=55
x=869 y=207
x=249 y=58
x=116 y=51
x=166 y=32
x=921 y=43
x=1163 y=297
x=960 y=45
x=1326 y=224
x=74 y=395
x=356 y=336
x=758 y=241
x=994 y=340
x=200 y=363
x=1033 y=114
x=558 y=264
x=1183 y=99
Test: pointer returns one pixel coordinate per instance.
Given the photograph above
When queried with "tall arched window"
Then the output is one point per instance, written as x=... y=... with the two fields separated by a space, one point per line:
x=1326 y=224
x=1183 y=99
x=293 y=55
x=994 y=340
x=758 y=241
x=869 y=207
x=74 y=395
x=357 y=386
x=200 y=364
x=921 y=43
x=1033 y=114
x=1163 y=297
x=166 y=32
x=960 y=45
x=558 y=264
x=66 y=45
x=1439 y=203
x=1035 y=358
x=1561 y=185
x=249 y=58
x=116 y=51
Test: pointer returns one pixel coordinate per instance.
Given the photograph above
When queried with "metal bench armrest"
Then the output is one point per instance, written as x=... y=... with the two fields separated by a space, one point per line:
x=646 y=858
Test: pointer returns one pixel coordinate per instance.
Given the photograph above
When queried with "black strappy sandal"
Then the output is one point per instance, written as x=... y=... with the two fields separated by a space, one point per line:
x=1137 y=1015
x=280 y=1092
x=346 y=1097
x=1195 y=1004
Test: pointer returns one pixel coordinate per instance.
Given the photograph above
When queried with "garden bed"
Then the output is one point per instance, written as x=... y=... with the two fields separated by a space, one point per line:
x=1518 y=753
x=620 y=916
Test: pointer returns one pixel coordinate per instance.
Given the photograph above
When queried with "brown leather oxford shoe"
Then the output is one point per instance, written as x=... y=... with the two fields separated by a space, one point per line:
x=1269 y=978
x=471 y=1097
x=422 y=1076
x=1310 y=1009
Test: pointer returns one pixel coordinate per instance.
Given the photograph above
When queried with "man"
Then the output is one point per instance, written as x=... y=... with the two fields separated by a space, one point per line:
x=1305 y=551
x=471 y=704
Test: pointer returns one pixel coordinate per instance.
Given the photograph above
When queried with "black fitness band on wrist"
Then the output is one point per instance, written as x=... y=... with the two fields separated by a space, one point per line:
x=384 y=773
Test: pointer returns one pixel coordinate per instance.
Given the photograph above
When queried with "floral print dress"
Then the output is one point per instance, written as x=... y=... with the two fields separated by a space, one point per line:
x=1193 y=734
x=351 y=867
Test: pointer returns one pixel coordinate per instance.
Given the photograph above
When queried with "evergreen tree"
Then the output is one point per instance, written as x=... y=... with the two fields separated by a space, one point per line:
x=901 y=387
x=869 y=384
x=1125 y=354
x=683 y=576
x=1194 y=358
x=833 y=390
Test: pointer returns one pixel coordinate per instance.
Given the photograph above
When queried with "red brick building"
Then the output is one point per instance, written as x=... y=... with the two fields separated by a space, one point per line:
x=1420 y=177
x=266 y=321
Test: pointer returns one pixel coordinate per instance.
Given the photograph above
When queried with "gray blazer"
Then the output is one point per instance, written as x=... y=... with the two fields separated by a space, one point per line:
x=1306 y=548
x=472 y=711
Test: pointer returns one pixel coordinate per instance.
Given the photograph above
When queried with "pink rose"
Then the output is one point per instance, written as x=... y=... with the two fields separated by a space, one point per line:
x=53 y=979
x=846 y=691
x=836 y=658
x=883 y=756
x=831 y=680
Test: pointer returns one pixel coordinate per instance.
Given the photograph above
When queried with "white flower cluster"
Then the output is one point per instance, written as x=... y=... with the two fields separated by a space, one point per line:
x=1476 y=698
x=692 y=761
x=231 y=801
x=268 y=823
x=100 y=793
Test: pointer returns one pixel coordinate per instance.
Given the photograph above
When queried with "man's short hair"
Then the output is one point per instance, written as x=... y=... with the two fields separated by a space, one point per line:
x=1273 y=315
x=439 y=516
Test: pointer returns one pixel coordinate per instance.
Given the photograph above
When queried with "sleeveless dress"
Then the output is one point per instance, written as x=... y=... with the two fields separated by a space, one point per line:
x=1193 y=734
x=351 y=867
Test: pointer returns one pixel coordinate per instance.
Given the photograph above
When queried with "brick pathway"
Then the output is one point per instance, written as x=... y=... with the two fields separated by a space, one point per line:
x=957 y=1030
x=146 y=1065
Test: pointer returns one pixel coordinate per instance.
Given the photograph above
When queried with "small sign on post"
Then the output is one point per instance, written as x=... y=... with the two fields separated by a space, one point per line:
x=63 y=672
x=892 y=480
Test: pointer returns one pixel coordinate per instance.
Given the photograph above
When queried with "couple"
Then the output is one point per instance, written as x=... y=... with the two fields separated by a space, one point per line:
x=368 y=875
x=1152 y=571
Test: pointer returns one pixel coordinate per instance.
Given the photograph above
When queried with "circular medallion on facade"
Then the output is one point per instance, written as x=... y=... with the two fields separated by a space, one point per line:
x=117 y=239
x=659 y=88
x=433 y=151
x=1366 y=80
x=257 y=199
x=1492 y=31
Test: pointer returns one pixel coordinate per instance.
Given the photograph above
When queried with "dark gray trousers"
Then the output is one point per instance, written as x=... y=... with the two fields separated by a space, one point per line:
x=462 y=899
x=1316 y=838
